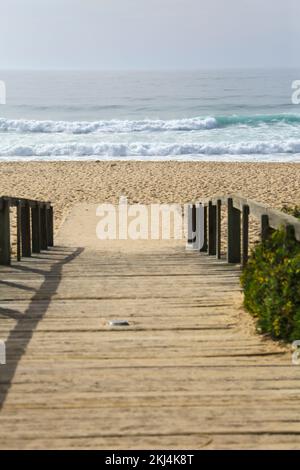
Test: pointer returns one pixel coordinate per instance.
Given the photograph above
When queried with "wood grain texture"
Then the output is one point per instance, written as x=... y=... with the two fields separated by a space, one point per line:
x=188 y=372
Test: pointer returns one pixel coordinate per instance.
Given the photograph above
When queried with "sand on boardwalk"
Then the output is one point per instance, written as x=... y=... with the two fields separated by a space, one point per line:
x=66 y=183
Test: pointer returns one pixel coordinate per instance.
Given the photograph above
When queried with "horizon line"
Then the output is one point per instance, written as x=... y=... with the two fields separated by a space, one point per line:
x=187 y=69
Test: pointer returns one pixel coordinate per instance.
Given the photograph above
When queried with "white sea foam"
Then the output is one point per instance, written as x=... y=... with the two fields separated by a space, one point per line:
x=86 y=127
x=114 y=150
x=145 y=125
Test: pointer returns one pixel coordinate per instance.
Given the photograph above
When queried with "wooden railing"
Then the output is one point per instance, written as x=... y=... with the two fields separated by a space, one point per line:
x=238 y=211
x=34 y=227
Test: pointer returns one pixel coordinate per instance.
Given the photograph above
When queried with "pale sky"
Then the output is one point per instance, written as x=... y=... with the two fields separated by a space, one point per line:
x=148 y=34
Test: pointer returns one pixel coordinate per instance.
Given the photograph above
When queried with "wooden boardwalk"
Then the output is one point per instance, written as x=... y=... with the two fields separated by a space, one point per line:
x=188 y=372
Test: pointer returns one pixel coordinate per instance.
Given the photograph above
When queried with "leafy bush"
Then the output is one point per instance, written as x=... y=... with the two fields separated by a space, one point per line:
x=271 y=282
x=294 y=211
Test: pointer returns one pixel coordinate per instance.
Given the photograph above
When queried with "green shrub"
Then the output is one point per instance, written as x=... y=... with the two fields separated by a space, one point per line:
x=294 y=211
x=271 y=282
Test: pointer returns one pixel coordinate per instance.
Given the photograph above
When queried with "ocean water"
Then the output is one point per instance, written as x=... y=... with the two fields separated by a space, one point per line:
x=216 y=115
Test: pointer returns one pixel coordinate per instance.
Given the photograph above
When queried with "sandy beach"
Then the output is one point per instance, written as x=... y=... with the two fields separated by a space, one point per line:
x=66 y=183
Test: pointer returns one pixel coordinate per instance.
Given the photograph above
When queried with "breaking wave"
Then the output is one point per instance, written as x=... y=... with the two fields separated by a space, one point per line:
x=150 y=150
x=126 y=126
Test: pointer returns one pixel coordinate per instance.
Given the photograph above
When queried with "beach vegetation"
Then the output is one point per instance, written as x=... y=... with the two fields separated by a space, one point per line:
x=292 y=210
x=271 y=283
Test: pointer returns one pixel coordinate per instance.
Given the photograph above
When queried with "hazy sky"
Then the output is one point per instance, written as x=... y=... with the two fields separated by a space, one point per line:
x=147 y=34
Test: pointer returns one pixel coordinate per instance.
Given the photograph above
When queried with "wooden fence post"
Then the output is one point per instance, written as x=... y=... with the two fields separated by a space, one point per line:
x=234 y=234
x=205 y=245
x=19 y=233
x=290 y=231
x=4 y=233
x=212 y=229
x=219 y=207
x=50 y=226
x=265 y=229
x=245 y=235
x=25 y=230
x=44 y=231
x=194 y=221
x=36 y=228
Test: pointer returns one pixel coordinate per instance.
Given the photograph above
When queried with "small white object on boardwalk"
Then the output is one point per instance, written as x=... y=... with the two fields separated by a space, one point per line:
x=187 y=372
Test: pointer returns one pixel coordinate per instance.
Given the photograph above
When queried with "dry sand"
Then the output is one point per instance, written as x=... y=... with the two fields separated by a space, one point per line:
x=65 y=183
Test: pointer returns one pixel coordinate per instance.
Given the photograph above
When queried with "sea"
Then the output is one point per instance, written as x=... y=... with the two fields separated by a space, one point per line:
x=204 y=115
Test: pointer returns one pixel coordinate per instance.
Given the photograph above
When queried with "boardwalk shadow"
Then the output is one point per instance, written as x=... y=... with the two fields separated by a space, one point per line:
x=22 y=333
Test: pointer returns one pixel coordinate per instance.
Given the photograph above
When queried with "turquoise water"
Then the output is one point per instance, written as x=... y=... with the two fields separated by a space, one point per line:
x=237 y=115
